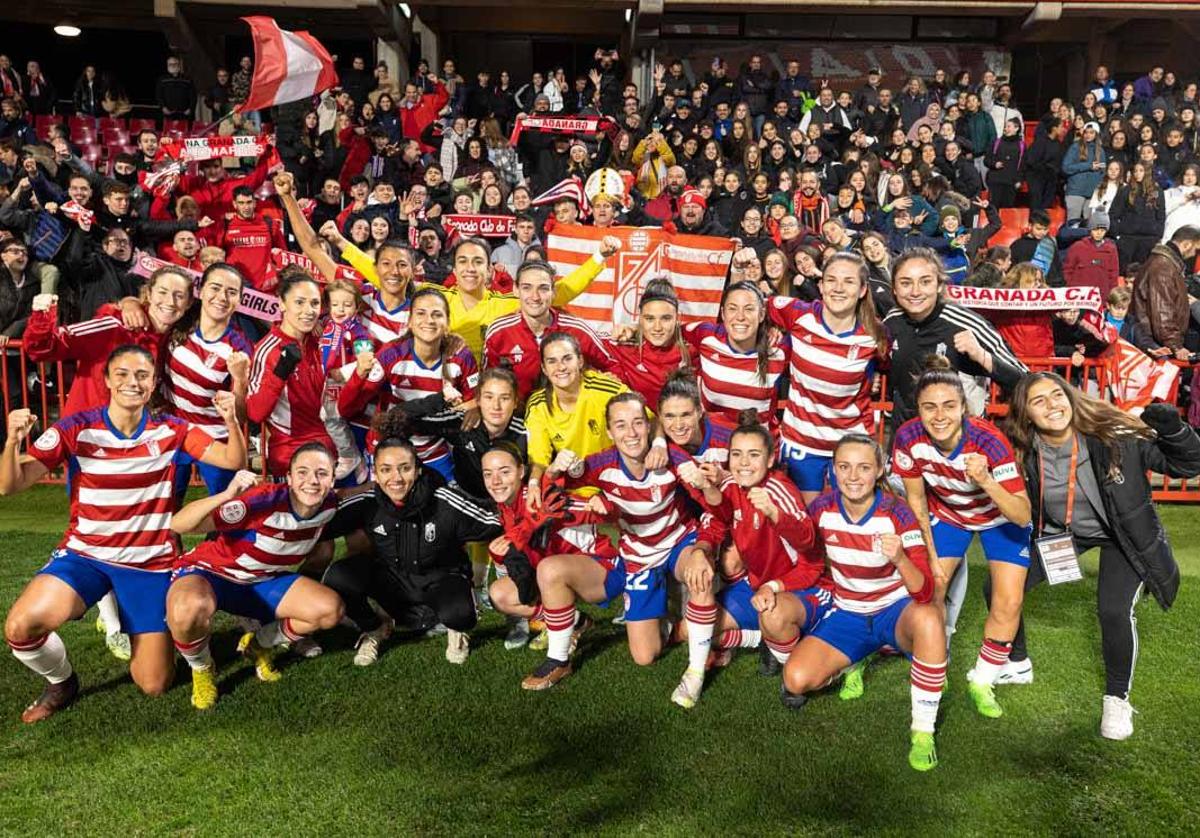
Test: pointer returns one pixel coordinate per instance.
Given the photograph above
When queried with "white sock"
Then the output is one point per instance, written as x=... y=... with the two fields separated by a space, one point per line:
x=956 y=595
x=197 y=654
x=48 y=658
x=701 y=621
x=739 y=639
x=928 y=680
x=107 y=606
x=560 y=623
x=273 y=634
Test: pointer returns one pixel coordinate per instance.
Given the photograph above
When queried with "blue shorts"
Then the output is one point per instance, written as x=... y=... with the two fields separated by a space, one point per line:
x=858 y=635
x=141 y=594
x=216 y=479
x=443 y=465
x=646 y=590
x=736 y=598
x=1005 y=543
x=256 y=600
x=808 y=471
x=614 y=582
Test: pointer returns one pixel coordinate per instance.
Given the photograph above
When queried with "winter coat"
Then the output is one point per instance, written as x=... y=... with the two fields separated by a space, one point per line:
x=1133 y=521
x=1011 y=152
x=1160 y=297
x=1090 y=264
x=1082 y=179
x=1142 y=218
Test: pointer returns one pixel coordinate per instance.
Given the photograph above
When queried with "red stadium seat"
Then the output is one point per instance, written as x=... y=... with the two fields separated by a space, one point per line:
x=42 y=123
x=114 y=136
x=136 y=125
x=1013 y=223
x=91 y=153
x=113 y=122
x=1031 y=127
x=1058 y=217
x=83 y=129
x=176 y=127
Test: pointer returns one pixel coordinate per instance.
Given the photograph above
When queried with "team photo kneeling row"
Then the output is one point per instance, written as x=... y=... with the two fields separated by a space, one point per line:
x=662 y=466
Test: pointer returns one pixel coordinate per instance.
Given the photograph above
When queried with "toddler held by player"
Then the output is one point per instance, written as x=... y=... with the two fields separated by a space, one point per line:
x=344 y=342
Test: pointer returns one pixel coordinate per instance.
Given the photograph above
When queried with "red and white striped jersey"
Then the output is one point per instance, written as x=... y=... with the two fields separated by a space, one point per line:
x=384 y=324
x=952 y=496
x=196 y=371
x=291 y=408
x=407 y=378
x=830 y=392
x=651 y=515
x=864 y=580
x=259 y=535
x=510 y=340
x=729 y=379
x=771 y=551
x=122 y=487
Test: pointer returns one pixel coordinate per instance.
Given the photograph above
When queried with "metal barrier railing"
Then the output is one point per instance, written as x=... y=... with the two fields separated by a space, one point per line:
x=45 y=393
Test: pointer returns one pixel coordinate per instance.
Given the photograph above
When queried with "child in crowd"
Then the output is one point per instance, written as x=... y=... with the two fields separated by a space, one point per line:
x=344 y=339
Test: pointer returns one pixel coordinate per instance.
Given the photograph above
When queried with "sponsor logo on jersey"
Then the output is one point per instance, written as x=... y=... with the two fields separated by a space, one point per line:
x=380 y=529
x=1005 y=471
x=430 y=532
x=48 y=441
x=833 y=539
x=233 y=511
x=903 y=460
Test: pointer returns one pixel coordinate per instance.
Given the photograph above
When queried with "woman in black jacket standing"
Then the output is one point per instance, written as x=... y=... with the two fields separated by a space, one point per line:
x=1138 y=215
x=1004 y=160
x=417 y=571
x=1085 y=464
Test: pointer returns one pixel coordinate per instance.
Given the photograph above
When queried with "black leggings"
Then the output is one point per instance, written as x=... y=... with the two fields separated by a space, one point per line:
x=1002 y=195
x=1117 y=591
x=416 y=602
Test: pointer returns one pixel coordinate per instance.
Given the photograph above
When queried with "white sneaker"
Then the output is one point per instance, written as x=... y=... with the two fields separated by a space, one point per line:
x=518 y=635
x=1016 y=672
x=437 y=631
x=688 y=692
x=1117 y=721
x=366 y=650
x=458 y=646
x=118 y=644
x=306 y=647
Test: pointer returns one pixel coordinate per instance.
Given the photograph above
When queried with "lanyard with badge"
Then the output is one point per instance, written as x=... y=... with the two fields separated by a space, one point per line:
x=1059 y=557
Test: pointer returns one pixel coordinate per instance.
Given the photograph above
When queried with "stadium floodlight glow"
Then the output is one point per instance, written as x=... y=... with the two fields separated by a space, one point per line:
x=67 y=30
x=628 y=15
x=405 y=10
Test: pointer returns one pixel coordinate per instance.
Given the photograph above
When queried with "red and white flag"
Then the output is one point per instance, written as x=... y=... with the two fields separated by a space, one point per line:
x=288 y=66
x=696 y=266
x=1135 y=379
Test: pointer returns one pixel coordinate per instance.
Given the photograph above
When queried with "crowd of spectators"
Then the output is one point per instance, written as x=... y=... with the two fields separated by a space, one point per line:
x=794 y=168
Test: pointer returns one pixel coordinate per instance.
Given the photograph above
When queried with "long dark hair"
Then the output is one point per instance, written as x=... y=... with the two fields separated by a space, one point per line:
x=449 y=343
x=184 y=326
x=762 y=338
x=1089 y=416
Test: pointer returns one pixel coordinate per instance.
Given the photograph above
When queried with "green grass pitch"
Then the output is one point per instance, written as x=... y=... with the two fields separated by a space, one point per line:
x=416 y=746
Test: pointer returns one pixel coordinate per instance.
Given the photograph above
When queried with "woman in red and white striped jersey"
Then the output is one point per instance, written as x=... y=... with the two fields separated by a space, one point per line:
x=882 y=592
x=208 y=354
x=837 y=344
x=739 y=361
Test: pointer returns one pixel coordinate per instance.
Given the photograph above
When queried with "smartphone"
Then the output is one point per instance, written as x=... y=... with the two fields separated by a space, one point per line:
x=656 y=125
x=363 y=345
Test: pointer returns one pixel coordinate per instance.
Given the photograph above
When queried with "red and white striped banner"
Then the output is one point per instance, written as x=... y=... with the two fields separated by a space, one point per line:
x=488 y=226
x=696 y=266
x=1026 y=299
x=564 y=125
x=281 y=258
x=288 y=66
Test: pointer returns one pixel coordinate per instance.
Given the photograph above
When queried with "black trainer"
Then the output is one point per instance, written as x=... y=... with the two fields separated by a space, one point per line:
x=768 y=667
x=791 y=701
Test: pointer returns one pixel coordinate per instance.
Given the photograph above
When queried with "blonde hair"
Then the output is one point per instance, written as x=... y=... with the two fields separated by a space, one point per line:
x=1023 y=275
x=350 y=288
x=1120 y=296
